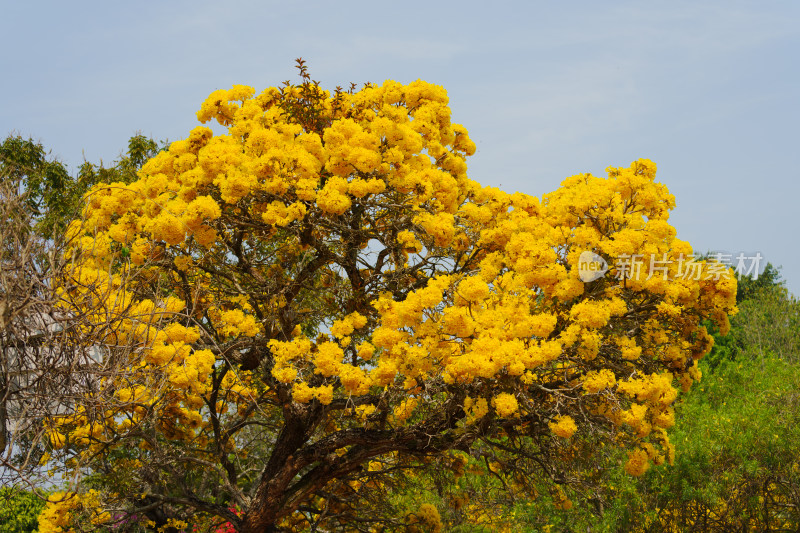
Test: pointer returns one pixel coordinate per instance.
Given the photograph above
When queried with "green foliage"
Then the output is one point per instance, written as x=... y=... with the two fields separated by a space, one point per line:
x=19 y=511
x=53 y=196
x=140 y=149
x=736 y=464
x=768 y=322
x=749 y=286
x=51 y=192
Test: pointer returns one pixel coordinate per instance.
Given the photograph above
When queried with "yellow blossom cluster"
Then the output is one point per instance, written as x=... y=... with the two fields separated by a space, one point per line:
x=596 y=381
x=234 y=322
x=62 y=508
x=563 y=426
x=426 y=516
x=638 y=462
x=505 y=404
x=475 y=408
x=405 y=409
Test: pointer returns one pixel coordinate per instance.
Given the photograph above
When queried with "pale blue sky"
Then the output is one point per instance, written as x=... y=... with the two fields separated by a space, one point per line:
x=707 y=90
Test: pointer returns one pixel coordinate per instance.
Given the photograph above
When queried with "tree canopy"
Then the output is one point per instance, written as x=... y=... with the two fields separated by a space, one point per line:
x=294 y=313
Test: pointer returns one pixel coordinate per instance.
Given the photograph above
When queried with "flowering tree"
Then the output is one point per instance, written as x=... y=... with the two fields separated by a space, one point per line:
x=320 y=299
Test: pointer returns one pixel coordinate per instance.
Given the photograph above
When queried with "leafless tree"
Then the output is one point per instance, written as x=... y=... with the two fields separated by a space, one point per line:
x=41 y=349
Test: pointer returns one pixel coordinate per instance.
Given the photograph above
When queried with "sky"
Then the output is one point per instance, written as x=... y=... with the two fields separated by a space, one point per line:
x=708 y=90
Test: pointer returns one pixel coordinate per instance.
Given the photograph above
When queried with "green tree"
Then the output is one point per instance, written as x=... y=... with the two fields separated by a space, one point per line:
x=124 y=169
x=749 y=286
x=50 y=193
x=53 y=197
x=767 y=323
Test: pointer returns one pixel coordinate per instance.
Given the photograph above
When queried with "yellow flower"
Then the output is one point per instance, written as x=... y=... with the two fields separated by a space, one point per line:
x=473 y=289
x=505 y=404
x=235 y=322
x=638 y=462
x=302 y=393
x=476 y=409
x=563 y=426
x=405 y=409
x=598 y=380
